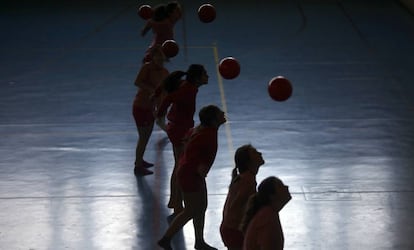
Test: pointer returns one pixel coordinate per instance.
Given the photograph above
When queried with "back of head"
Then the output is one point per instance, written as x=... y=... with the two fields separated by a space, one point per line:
x=173 y=81
x=171 y=7
x=262 y=198
x=174 y=11
x=194 y=72
x=160 y=13
x=267 y=188
x=208 y=115
x=241 y=160
x=242 y=157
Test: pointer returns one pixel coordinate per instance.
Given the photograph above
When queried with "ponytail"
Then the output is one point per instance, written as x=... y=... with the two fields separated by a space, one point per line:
x=234 y=173
x=173 y=81
x=234 y=176
x=241 y=159
x=260 y=199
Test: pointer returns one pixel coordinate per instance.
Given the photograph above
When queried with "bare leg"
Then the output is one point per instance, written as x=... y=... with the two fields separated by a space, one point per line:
x=191 y=205
x=195 y=205
x=176 y=200
x=144 y=134
x=198 y=221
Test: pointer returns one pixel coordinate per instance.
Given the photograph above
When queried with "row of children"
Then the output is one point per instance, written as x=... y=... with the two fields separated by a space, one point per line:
x=250 y=214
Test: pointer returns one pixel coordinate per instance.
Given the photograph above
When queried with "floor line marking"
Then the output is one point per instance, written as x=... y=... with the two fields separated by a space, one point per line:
x=223 y=101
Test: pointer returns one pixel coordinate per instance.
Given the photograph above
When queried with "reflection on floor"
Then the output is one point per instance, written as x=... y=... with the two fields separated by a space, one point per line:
x=343 y=142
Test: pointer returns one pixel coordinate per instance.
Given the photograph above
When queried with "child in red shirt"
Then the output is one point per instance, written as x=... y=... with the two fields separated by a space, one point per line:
x=162 y=25
x=149 y=77
x=197 y=159
x=242 y=186
x=261 y=223
x=181 y=104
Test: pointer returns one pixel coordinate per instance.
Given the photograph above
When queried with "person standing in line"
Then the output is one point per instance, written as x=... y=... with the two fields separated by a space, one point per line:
x=149 y=77
x=243 y=184
x=261 y=223
x=180 y=102
x=195 y=163
x=162 y=24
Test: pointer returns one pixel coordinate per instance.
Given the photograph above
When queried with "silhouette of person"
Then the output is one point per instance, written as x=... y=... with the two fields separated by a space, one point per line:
x=162 y=24
x=195 y=163
x=180 y=102
x=243 y=184
x=261 y=223
x=149 y=77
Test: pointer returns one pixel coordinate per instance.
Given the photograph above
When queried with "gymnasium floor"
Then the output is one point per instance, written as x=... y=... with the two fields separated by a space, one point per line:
x=344 y=141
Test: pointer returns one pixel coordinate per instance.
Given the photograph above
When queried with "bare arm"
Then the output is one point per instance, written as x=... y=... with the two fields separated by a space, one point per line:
x=146 y=28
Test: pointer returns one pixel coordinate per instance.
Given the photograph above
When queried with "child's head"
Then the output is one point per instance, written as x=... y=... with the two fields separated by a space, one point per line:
x=197 y=74
x=248 y=158
x=211 y=116
x=173 y=10
x=272 y=191
x=160 y=13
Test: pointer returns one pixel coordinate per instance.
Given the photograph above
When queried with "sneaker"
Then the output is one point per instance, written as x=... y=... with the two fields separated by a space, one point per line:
x=164 y=243
x=202 y=245
x=141 y=171
x=146 y=164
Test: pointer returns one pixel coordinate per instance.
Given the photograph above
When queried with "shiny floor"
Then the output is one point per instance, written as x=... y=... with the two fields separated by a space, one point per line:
x=344 y=141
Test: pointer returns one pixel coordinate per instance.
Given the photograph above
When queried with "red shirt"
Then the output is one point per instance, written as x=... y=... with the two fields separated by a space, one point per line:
x=200 y=151
x=236 y=201
x=183 y=105
x=148 y=79
x=264 y=231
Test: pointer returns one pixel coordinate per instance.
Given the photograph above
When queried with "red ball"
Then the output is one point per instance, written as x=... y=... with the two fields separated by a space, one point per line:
x=207 y=13
x=280 y=88
x=170 y=48
x=145 y=11
x=229 y=68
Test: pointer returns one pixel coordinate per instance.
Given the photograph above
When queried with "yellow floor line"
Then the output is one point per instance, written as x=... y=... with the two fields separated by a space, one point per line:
x=223 y=102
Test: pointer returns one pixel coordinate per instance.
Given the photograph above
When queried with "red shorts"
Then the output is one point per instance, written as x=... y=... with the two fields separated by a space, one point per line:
x=176 y=133
x=143 y=116
x=189 y=181
x=232 y=238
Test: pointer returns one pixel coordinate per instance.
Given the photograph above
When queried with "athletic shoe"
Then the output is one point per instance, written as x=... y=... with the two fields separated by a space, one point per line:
x=202 y=245
x=146 y=164
x=141 y=171
x=165 y=243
